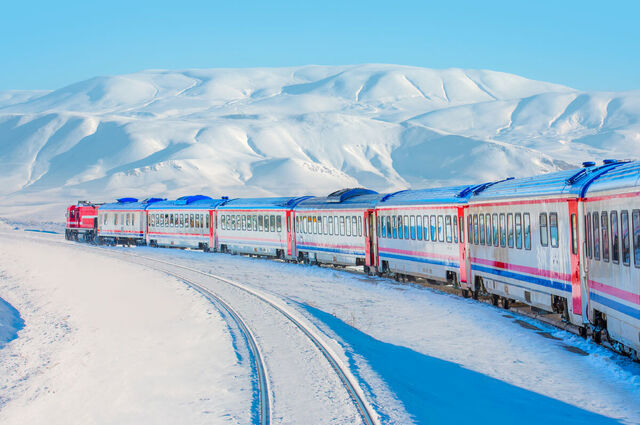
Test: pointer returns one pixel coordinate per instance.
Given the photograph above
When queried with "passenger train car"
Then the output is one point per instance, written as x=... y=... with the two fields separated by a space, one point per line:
x=611 y=219
x=188 y=222
x=257 y=226
x=338 y=229
x=565 y=242
x=124 y=222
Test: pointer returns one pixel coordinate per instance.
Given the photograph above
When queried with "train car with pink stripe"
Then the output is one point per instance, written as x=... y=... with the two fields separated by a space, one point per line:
x=258 y=226
x=338 y=229
x=524 y=237
x=611 y=219
x=124 y=222
x=187 y=222
x=82 y=221
x=422 y=233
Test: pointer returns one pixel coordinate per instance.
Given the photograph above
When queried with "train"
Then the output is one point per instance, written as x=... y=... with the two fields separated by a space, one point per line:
x=566 y=243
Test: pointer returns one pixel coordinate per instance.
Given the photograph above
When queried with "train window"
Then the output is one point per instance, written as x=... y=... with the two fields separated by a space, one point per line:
x=455 y=228
x=330 y=221
x=297 y=225
x=510 y=230
x=394 y=234
x=325 y=227
x=440 y=229
x=425 y=229
x=574 y=234
x=115 y=219
x=244 y=222
x=151 y=220
x=434 y=236
x=503 y=231
x=199 y=222
x=279 y=223
x=636 y=237
x=255 y=223
x=447 y=228
x=260 y=223
x=272 y=223
x=406 y=227
x=526 y=224
x=266 y=223
x=196 y=222
x=348 y=223
x=192 y=221
x=419 y=227
x=336 y=229
x=341 y=226
x=470 y=229
x=232 y=222
x=382 y=232
x=389 y=229
x=596 y=236
x=553 y=229
x=544 y=232
x=461 y=218
x=128 y=218
x=159 y=220
x=400 y=229
x=475 y=229
x=615 y=238
x=518 y=222
x=359 y=226
x=488 y=228
x=133 y=219
x=207 y=222
x=354 y=229
x=587 y=226
x=181 y=220
x=166 y=220
x=496 y=230
x=170 y=220
x=626 y=242
x=320 y=225
x=481 y=228
x=412 y=224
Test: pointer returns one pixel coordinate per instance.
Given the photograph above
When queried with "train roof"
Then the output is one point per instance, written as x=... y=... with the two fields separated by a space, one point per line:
x=626 y=175
x=277 y=203
x=344 y=198
x=130 y=204
x=436 y=195
x=188 y=202
x=567 y=182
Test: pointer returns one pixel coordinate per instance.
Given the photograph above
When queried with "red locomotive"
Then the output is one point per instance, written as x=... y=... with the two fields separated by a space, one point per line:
x=82 y=221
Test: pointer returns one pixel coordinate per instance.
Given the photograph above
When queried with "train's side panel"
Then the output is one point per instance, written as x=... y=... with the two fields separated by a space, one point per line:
x=244 y=231
x=180 y=227
x=420 y=241
x=122 y=223
x=335 y=236
x=613 y=258
x=521 y=249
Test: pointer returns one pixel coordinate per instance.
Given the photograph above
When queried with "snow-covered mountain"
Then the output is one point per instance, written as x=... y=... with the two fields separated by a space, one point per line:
x=298 y=130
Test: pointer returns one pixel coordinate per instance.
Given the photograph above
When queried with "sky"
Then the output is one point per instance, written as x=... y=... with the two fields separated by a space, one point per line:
x=588 y=45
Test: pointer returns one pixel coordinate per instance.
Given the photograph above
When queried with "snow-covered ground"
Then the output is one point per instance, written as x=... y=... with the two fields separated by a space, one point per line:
x=135 y=346
x=294 y=131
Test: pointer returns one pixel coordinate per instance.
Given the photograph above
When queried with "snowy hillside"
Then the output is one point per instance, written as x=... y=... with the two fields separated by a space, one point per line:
x=297 y=130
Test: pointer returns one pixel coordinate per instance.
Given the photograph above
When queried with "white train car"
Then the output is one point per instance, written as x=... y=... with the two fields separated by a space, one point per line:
x=421 y=233
x=188 y=222
x=338 y=229
x=612 y=222
x=124 y=222
x=257 y=226
x=524 y=241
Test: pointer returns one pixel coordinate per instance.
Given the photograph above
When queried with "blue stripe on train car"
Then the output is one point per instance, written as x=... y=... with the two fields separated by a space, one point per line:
x=525 y=278
x=623 y=308
x=420 y=260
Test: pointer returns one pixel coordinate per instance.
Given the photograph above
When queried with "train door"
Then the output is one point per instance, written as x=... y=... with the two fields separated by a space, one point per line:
x=370 y=239
x=462 y=251
x=214 y=230
x=574 y=253
x=212 y=224
x=290 y=233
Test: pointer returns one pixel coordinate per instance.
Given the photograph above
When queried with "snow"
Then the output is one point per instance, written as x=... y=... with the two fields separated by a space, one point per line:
x=430 y=357
x=105 y=342
x=293 y=131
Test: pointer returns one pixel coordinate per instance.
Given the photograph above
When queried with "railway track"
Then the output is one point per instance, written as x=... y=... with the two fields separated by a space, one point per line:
x=349 y=383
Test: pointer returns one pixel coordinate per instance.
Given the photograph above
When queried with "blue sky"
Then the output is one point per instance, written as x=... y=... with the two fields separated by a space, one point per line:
x=584 y=44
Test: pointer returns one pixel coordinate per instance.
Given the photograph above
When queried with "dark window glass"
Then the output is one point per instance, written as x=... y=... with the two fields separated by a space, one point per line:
x=412 y=224
x=260 y=228
x=496 y=230
x=455 y=229
x=503 y=231
x=481 y=228
x=488 y=221
x=394 y=227
x=615 y=238
x=331 y=225
x=406 y=227
x=470 y=229
x=440 y=228
x=604 y=221
x=553 y=229
x=447 y=227
x=244 y=222
x=636 y=237
x=279 y=223
x=425 y=223
x=400 y=230
x=380 y=229
x=626 y=240
x=518 y=222
x=434 y=235
x=476 y=241
x=587 y=226
x=596 y=236
x=419 y=227
x=389 y=228
x=526 y=228
x=574 y=233
x=510 y=229
x=461 y=229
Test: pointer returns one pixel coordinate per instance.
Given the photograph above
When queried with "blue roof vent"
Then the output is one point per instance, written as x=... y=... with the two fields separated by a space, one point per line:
x=127 y=200
x=152 y=200
x=609 y=161
x=589 y=164
x=186 y=200
x=344 y=194
x=225 y=198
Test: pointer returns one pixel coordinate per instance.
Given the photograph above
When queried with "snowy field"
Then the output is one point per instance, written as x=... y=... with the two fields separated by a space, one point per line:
x=101 y=339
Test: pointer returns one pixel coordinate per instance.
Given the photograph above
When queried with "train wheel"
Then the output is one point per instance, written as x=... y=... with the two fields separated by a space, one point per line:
x=505 y=303
x=465 y=293
x=474 y=294
x=494 y=299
